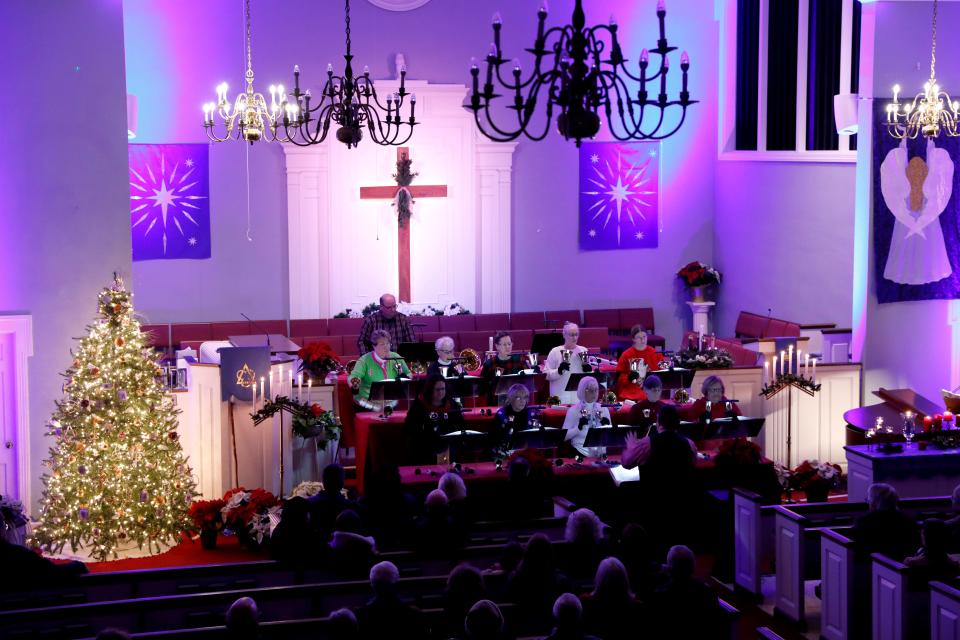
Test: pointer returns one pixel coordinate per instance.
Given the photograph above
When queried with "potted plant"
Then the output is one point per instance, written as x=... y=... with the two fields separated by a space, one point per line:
x=248 y=513
x=207 y=519
x=697 y=276
x=318 y=360
x=815 y=479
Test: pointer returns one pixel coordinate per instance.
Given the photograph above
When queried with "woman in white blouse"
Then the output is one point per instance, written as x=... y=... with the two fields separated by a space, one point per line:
x=587 y=412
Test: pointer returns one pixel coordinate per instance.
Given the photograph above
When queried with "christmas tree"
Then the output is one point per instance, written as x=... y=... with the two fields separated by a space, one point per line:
x=116 y=470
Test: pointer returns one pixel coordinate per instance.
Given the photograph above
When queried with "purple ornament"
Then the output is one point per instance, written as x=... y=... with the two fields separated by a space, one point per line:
x=122 y=395
x=82 y=470
x=83 y=513
x=143 y=496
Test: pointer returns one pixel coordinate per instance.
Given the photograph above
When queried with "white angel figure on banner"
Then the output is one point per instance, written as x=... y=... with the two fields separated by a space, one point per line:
x=917 y=192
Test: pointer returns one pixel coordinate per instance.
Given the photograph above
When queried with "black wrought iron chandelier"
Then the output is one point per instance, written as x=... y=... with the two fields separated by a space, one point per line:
x=352 y=104
x=586 y=79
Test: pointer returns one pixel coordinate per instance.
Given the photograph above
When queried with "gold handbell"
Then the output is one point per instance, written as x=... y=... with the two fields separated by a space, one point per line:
x=470 y=360
x=565 y=354
x=583 y=357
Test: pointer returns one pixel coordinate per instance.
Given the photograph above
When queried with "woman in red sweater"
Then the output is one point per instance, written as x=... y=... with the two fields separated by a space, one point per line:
x=714 y=404
x=629 y=382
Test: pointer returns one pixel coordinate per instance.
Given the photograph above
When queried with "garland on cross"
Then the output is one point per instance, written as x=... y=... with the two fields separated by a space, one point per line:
x=404 y=178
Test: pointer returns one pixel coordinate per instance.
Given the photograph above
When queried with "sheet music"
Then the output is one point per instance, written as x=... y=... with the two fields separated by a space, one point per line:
x=620 y=475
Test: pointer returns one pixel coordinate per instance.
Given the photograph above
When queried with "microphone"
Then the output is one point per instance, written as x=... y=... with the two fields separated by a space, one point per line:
x=259 y=328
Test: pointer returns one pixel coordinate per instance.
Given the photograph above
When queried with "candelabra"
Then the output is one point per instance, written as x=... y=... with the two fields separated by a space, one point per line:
x=582 y=73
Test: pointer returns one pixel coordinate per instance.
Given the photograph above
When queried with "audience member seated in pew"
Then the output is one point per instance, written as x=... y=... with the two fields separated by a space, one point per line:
x=327 y=505
x=343 y=626
x=509 y=559
x=933 y=561
x=568 y=619
x=713 y=404
x=438 y=533
x=456 y=491
x=292 y=541
x=536 y=583
x=385 y=615
x=635 y=552
x=390 y=511
x=684 y=607
x=585 y=545
x=885 y=528
x=464 y=589
x=484 y=621
x=611 y=611
x=243 y=620
x=350 y=552
x=33 y=570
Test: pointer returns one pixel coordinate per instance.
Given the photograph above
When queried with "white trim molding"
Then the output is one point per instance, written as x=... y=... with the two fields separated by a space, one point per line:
x=21 y=327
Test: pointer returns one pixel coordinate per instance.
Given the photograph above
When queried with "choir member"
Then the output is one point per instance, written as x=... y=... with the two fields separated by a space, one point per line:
x=645 y=412
x=431 y=415
x=664 y=448
x=379 y=364
x=512 y=417
x=628 y=381
x=504 y=362
x=587 y=412
x=388 y=319
x=444 y=365
x=714 y=404
x=558 y=369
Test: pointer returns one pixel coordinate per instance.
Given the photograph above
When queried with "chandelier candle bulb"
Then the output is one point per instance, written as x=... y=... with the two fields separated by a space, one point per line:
x=661 y=17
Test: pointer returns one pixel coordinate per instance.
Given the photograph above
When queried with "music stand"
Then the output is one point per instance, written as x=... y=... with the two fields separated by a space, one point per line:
x=464 y=441
x=611 y=436
x=575 y=379
x=463 y=386
x=544 y=342
x=538 y=438
x=720 y=428
x=674 y=378
x=391 y=389
x=504 y=382
x=417 y=351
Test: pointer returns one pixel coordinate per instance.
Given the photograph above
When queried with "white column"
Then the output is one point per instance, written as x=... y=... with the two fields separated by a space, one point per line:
x=308 y=230
x=701 y=316
x=494 y=176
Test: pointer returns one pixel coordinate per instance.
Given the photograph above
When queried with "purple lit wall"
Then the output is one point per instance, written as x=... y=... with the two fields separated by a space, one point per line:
x=63 y=224
x=909 y=344
x=178 y=51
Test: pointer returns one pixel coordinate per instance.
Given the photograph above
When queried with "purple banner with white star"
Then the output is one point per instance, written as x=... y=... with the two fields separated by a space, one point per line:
x=169 y=201
x=619 y=195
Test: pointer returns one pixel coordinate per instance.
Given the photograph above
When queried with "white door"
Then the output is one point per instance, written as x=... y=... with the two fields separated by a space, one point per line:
x=8 y=417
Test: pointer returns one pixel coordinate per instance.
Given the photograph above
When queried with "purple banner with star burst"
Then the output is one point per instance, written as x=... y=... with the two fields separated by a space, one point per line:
x=169 y=201
x=619 y=195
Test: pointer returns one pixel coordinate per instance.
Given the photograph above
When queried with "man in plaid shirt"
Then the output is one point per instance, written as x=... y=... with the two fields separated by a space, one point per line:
x=388 y=319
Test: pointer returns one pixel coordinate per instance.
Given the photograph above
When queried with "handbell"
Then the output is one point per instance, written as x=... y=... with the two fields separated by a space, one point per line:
x=565 y=354
x=635 y=364
x=583 y=357
x=532 y=360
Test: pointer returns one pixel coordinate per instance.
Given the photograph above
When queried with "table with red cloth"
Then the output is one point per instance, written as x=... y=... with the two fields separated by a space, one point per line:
x=379 y=441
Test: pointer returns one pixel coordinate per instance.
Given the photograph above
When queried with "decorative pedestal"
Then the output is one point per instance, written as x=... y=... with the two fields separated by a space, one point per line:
x=701 y=316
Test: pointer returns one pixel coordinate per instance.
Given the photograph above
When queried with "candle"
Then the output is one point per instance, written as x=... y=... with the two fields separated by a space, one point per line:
x=766 y=371
x=927 y=423
x=300 y=387
x=774 y=366
x=783 y=357
x=813 y=374
x=699 y=341
x=799 y=356
x=263 y=389
x=947 y=420
x=790 y=359
x=490 y=343
x=309 y=387
x=254 y=396
x=806 y=365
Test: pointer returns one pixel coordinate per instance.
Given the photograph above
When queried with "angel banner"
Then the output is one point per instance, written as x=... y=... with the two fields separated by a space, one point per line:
x=915 y=217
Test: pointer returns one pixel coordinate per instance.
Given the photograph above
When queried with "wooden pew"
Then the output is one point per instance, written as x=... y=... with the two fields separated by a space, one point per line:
x=753 y=539
x=201 y=609
x=901 y=602
x=844 y=588
x=944 y=611
x=797 y=542
x=766 y=633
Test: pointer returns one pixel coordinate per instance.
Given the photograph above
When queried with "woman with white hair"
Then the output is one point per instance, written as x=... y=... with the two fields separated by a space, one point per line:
x=444 y=365
x=585 y=546
x=374 y=366
x=885 y=528
x=453 y=486
x=564 y=360
x=587 y=412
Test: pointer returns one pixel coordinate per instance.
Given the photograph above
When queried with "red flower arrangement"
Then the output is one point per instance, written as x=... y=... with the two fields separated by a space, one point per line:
x=816 y=477
x=206 y=514
x=738 y=451
x=240 y=506
x=697 y=274
x=318 y=359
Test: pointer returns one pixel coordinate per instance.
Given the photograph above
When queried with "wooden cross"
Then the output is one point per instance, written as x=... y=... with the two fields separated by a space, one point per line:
x=403 y=230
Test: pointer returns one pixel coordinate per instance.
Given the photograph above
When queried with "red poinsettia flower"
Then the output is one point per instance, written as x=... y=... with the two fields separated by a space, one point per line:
x=316 y=410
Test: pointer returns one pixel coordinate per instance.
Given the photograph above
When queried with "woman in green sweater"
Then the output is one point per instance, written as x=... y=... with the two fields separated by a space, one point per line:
x=376 y=365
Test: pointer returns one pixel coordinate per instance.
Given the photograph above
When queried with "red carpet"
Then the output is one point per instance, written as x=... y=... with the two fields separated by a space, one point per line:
x=188 y=553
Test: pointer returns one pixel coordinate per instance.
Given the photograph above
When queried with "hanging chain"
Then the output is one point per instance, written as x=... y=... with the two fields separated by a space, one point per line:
x=249 y=74
x=346 y=12
x=933 y=48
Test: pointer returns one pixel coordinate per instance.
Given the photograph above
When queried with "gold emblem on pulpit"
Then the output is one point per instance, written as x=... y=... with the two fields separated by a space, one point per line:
x=246 y=377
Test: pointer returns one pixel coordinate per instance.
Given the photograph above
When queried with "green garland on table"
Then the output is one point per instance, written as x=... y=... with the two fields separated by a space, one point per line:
x=309 y=420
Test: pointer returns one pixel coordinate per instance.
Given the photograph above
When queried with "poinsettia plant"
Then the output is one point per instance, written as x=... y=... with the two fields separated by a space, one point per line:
x=242 y=509
x=318 y=359
x=813 y=474
x=207 y=514
x=697 y=274
x=704 y=359
x=308 y=420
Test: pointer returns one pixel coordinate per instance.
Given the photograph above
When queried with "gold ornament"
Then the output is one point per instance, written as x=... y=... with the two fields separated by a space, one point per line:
x=120 y=341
